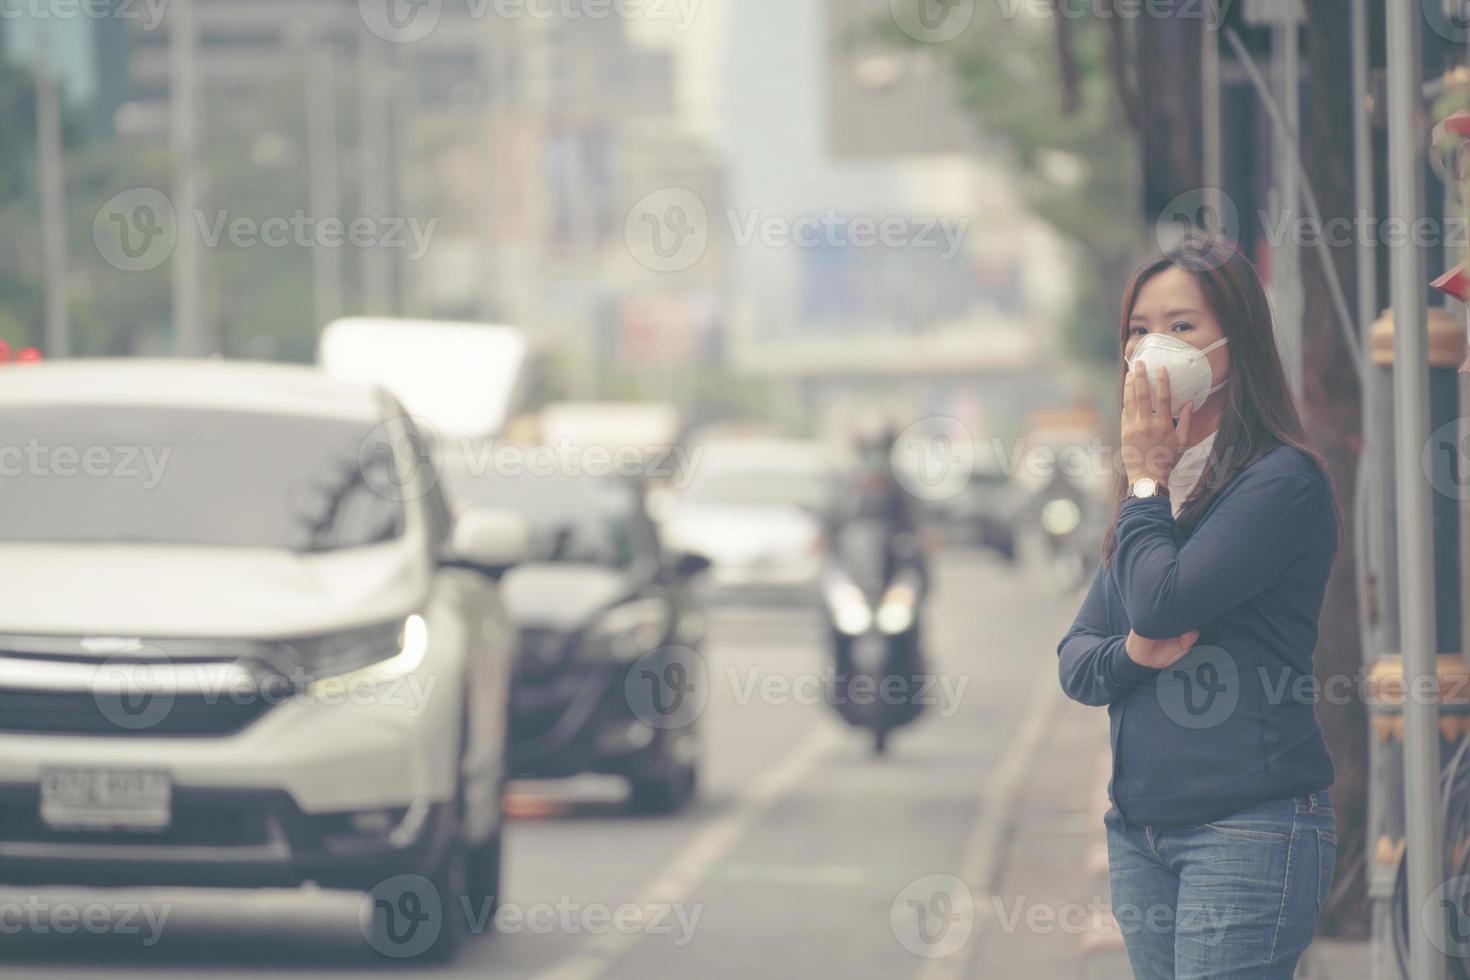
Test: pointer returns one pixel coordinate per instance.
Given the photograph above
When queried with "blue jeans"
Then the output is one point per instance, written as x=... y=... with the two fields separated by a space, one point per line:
x=1232 y=899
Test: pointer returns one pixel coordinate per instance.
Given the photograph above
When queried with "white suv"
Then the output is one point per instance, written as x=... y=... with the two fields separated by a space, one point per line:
x=244 y=642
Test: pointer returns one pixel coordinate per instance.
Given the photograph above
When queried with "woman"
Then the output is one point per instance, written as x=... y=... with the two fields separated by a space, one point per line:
x=1198 y=634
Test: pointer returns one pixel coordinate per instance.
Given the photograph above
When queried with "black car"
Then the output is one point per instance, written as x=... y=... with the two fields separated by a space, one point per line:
x=608 y=677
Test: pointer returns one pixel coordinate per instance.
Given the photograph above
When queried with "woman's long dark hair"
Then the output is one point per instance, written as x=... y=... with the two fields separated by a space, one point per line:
x=1260 y=413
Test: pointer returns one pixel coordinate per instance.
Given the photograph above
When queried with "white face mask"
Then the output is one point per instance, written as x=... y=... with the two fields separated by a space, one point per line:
x=1188 y=367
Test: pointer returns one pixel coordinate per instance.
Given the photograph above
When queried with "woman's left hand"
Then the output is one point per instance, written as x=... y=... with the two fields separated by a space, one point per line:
x=1152 y=441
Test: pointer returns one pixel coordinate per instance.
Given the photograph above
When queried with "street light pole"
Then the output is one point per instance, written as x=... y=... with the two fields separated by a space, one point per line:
x=324 y=186
x=1424 y=823
x=192 y=336
x=375 y=159
x=51 y=175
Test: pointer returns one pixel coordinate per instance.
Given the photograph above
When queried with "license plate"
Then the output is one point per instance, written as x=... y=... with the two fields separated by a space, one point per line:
x=106 y=799
x=869 y=653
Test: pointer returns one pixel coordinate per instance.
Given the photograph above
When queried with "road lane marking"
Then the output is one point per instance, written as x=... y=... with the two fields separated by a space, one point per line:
x=677 y=882
x=980 y=866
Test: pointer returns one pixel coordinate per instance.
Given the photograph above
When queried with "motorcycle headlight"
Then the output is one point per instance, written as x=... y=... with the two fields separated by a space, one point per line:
x=1061 y=516
x=382 y=652
x=627 y=632
x=850 y=612
x=896 y=612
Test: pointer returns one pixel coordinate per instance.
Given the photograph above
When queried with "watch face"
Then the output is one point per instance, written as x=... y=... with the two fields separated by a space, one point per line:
x=1145 y=488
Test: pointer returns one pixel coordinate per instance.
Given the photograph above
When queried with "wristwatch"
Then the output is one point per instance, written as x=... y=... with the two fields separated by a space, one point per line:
x=1147 y=487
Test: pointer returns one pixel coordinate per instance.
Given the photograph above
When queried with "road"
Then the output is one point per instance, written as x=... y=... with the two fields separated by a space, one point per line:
x=806 y=856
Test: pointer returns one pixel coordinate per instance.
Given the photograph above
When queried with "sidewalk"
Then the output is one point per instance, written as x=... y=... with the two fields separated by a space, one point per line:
x=1050 y=916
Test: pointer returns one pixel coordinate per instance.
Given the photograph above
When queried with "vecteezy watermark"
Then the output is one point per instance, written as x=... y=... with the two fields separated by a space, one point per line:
x=934 y=458
x=402 y=459
x=137 y=230
x=143 y=465
x=1450 y=903
x=667 y=689
x=670 y=231
x=404 y=916
x=137 y=690
x=147 y=14
x=1185 y=10
x=1018 y=913
x=941 y=691
x=408 y=21
x=1446 y=459
x=1209 y=215
x=36 y=916
x=1204 y=215
x=932 y=21
x=1200 y=690
x=934 y=916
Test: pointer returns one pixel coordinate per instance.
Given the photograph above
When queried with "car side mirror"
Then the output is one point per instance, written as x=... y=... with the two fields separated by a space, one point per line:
x=491 y=541
x=687 y=564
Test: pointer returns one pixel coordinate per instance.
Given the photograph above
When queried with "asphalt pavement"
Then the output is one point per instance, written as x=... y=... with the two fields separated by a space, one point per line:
x=806 y=855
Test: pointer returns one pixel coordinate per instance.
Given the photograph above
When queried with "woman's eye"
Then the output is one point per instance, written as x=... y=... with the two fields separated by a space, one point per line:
x=1137 y=331
x=1181 y=326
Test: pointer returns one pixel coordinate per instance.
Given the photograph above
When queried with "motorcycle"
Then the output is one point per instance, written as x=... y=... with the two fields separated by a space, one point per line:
x=873 y=591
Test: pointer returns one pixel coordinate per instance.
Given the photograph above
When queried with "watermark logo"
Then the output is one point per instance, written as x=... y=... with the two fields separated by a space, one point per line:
x=38 y=917
x=136 y=230
x=933 y=21
x=934 y=458
x=1201 y=690
x=1446 y=459
x=134 y=695
x=934 y=916
x=402 y=917
x=1452 y=26
x=668 y=688
x=147 y=14
x=668 y=230
x=1450 y=902
x=397 y=460
x=401 y=21
x=1204 y=215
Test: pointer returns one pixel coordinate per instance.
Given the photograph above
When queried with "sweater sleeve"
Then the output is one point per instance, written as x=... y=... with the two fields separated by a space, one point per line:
x=1094 y=666
x=1255 y=531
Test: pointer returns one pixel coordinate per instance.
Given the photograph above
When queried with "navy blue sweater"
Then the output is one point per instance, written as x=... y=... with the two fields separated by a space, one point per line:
x=1232 y=723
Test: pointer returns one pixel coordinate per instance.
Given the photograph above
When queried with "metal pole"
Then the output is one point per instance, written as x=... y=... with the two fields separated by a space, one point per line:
x=51 y=166
x=1286 y=269
x=1372 y=503
x=324 y=191
x=375 y=158
x=192 y=336
x=1424 y=822
x=1210 y=106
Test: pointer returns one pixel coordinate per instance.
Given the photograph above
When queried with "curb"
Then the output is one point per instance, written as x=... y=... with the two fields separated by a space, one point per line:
x=1103 y=954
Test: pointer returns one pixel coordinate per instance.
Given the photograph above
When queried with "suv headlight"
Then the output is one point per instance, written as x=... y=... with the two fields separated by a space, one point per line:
x=627 y=632
x=378 y=653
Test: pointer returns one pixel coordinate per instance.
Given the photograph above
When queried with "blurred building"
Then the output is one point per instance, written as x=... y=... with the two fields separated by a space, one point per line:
x=830 y=120
x=524 y=138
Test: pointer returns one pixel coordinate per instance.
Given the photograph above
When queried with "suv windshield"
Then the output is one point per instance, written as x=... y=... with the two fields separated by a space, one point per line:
x=149 y=475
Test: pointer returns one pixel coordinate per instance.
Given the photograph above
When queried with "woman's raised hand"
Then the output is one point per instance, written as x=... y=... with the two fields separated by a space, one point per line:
x=1159 y=654
x=1152 y=441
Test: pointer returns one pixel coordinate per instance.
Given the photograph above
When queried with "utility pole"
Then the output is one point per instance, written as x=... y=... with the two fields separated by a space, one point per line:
x=193 y=337
x=1286 y=273
x=324 y=189
x=1424 y=822
x=375 y=156
x=51 y=176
